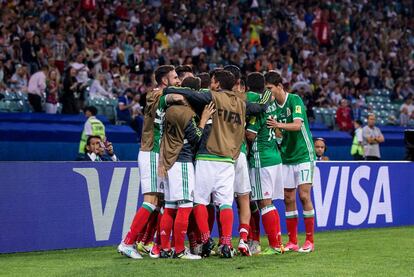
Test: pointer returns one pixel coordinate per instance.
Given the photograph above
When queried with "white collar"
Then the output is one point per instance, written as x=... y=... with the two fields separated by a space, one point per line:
x=92 y=156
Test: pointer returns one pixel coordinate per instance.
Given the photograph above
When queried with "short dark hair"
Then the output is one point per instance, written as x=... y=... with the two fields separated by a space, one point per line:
x=274 y=78
x=213 y=71
x=256 y=82
x=88 y=141
x=181 y=69
x=191 y=82
x=359 y=122
x=205 y=79
x=92 y=109
x=225 y=79
x=234 y=70
x=162 y=71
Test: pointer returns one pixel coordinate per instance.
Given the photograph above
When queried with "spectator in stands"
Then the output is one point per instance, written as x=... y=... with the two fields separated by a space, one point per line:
x=52 y=91
x=344 y=116
x=29 y=52
x=2 y=83
x=117 y=85
x=36 y=89
x=320 y=149
x=99 y=89
x=372 y=137
x=92 y=127
x=357 y=149
x=295 y=37
x=60 y=51
x=125 y=104
x=406 y=111
x=70 y=96
x=19 y=80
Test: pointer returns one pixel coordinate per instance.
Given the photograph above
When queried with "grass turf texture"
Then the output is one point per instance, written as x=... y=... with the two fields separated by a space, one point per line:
x=369 y=252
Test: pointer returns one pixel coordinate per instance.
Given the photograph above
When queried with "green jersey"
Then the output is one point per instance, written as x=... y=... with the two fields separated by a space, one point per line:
x=158 y=123
x=264 y=151
x=296 y=146
x=253 y=97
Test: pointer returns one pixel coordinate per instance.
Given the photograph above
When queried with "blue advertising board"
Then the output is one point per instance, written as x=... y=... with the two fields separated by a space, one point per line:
x=57 y=205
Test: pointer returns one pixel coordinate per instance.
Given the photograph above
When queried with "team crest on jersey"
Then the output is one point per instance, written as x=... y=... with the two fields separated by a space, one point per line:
x=298 y=109
x=288 y=113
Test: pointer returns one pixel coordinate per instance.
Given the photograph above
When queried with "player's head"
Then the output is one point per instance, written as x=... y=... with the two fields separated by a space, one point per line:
x=371 y=120
x=256 y=82
x=211 y=73
x=236 y=73
x=191 y=82
x=165 y=76
x=184 y=71
x=205 y=79
x=93 y=144
x=274 y=83
x=222 y=79
x=320 y=147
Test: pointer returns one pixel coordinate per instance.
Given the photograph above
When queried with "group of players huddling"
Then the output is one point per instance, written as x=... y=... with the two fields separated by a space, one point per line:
x=209 y=141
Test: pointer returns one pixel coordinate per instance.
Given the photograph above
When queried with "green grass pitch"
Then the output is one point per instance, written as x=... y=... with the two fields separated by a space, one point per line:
x=368 y=252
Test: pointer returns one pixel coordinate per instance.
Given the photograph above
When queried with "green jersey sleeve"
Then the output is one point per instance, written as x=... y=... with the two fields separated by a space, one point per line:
x=254 y=124
x=298 y=109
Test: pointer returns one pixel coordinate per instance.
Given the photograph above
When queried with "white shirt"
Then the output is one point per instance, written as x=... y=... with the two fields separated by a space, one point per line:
x=410 y=108
x=37 y=84
x=97 y=90
x=197 y=51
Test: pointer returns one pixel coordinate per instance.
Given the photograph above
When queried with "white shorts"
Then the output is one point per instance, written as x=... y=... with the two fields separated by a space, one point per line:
x=241 y=177
x=148 y=168
x=214 y=179
x=180 y=185
x=298 y=174
x=267 y=182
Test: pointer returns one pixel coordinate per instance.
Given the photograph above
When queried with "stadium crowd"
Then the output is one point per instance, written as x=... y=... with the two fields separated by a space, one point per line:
x=326 y=51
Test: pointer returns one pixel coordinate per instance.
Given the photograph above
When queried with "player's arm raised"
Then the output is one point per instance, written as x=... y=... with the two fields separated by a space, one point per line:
x=194 y=97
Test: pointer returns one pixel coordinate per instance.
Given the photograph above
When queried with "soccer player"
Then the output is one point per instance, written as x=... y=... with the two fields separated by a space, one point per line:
x=265 y=167
x=184 y=71
x=219 y=148
x=148 y=160
x=180 y=138
x=241 y=179
x=298 y=158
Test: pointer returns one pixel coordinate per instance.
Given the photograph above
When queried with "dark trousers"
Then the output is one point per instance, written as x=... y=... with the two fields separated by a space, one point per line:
x=358 y=157
x=36 y=102
x=372 y=158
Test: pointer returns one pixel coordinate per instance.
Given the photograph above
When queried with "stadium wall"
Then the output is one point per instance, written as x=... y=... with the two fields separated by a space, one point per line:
x=67 y=151
x=57 y=205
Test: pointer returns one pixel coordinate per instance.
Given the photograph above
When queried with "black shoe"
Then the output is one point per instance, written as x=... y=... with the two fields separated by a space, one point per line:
x=226 y=252
x=207 y=247
x=165 y=254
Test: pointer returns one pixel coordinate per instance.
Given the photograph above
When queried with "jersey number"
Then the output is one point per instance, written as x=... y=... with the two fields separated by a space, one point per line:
x=303 y=173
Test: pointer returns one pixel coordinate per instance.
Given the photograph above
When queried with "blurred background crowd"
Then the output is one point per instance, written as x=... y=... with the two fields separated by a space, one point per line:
x=335 y=54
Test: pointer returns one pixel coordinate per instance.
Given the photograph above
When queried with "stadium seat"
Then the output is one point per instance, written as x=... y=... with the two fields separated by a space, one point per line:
x=3 y=107
x=318 y=115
